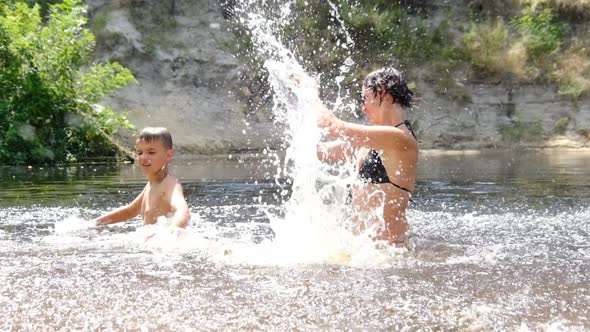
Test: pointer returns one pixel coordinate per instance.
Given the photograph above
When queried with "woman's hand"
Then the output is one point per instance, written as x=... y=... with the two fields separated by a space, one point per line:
x=305 y=87
x=302 y=80
x=327 y=120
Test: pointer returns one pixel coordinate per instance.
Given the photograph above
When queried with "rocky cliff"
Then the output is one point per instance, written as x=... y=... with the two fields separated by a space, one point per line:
x=189 y=81
x=534 y=115
x=182 y=52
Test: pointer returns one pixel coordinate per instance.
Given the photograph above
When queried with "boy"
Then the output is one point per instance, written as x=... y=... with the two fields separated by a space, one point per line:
x=162 y=195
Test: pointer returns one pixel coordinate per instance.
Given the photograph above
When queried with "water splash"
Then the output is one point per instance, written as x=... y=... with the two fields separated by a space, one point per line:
x=346 y=66
x=314 y=224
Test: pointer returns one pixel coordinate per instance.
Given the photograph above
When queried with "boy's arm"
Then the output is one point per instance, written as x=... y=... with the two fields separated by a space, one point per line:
x=178 y=204
x=123 y=213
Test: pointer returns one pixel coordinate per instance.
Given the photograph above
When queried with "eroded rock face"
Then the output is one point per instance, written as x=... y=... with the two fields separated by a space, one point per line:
x=478 y=123
x=189 y=81
x=182 y=54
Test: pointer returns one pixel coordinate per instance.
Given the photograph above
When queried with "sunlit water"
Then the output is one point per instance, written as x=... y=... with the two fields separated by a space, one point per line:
x=500 y=243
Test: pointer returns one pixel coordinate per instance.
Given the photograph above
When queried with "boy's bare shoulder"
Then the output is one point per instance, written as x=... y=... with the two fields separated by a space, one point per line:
x=171 y=182
x=172 y=179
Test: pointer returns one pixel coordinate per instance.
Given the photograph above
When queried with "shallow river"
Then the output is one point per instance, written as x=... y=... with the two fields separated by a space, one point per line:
x=500 y=241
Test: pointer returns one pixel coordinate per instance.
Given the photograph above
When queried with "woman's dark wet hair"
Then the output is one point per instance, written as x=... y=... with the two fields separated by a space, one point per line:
x=392 y=81
x=152 y=134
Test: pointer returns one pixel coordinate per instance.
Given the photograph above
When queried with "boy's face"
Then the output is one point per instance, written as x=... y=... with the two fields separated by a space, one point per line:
x=152 y=157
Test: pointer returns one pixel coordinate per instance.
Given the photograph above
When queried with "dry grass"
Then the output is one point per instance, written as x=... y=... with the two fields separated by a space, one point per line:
x=515 y=61
x=121 y=3
x=572 y=69
x=492 y=52
x=578 y=6
x=572 y=8
x=485 y=45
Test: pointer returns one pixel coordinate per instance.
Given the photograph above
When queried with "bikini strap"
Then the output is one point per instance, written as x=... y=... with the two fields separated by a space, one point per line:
x=402 y=188
x=375 y=155
x=409 y=125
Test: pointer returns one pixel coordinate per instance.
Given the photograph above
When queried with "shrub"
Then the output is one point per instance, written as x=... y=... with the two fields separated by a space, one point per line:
x=572 y=69
x=387 y=30
x=486 y=45
x=573 y=9
x=518 y=130
x=46 y=98
x=528 y=53
x=539 y=31
x=561 y=124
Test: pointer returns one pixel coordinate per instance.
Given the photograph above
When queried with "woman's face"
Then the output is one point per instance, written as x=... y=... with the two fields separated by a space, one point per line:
x=370 y=100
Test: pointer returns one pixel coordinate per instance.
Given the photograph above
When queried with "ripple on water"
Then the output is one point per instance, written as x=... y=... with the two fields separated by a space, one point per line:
x=469 y=271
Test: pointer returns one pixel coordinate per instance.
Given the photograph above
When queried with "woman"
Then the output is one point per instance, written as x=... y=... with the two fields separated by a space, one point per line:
x=385 y=152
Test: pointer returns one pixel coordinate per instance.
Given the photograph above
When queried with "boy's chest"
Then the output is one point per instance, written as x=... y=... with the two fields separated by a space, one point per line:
x=155 y=203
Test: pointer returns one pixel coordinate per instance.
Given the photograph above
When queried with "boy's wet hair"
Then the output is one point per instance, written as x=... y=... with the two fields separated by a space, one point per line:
x=391 y=80
x=152 y=134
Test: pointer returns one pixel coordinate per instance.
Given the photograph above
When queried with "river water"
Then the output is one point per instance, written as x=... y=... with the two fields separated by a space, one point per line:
x=500 y=241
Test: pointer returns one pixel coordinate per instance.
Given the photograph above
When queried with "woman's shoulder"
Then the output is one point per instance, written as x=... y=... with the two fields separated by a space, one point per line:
x=400 y=139
x=402 y=142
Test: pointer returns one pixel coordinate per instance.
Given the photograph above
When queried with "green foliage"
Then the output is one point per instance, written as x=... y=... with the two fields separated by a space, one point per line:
x=531 y=46
x=86 y=138
x=516 y=40
x=384 y=33
x=540 y=32
x=387 y=30
x=46 y=97
x=561 y=125
x=311 y=36
x=44 y=5
x=533 y=50
x=102 y=80
x=518 y=130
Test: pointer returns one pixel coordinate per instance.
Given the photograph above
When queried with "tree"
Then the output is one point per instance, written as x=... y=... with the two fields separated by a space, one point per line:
x=49 y=89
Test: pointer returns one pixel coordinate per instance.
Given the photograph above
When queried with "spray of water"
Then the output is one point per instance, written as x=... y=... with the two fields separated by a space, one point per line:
x=346 y=66
x=315 y=224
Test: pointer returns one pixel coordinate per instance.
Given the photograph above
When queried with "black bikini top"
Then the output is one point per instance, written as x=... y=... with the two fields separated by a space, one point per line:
x=372 y=169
